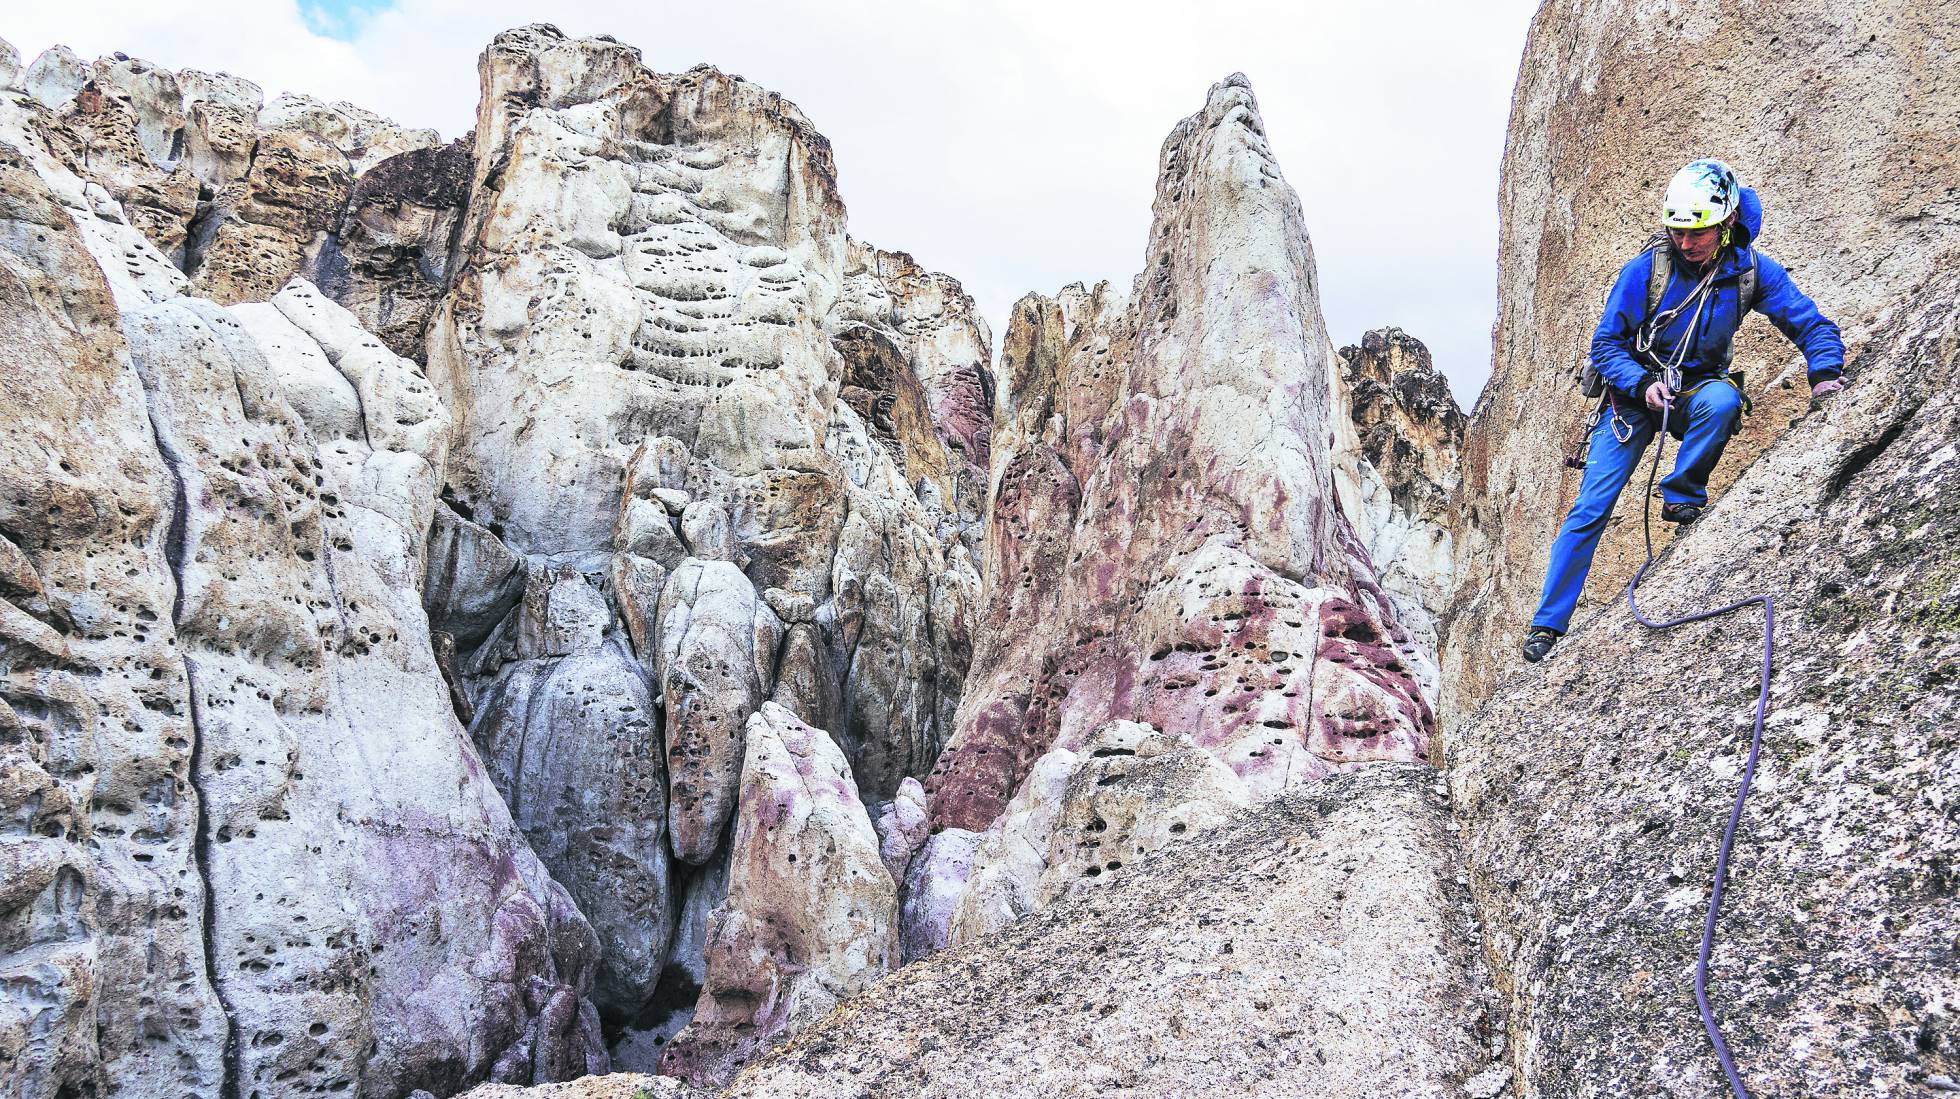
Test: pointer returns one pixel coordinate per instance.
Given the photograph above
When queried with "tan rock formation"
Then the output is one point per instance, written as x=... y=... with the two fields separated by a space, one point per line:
x=1832 y=971
x=928 y=320
x=1833 y=974
x=1837 y=116
x=242 y=196
x=1395 y=464
x=260 y=227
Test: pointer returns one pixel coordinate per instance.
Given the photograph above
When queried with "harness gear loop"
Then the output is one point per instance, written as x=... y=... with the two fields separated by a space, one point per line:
x=1580 y=451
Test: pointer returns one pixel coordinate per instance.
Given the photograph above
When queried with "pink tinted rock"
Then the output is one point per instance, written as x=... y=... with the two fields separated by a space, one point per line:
x=1166 y=534
x=811 y=914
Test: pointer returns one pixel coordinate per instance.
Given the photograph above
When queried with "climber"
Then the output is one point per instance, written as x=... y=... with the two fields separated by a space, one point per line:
x=1662 y=348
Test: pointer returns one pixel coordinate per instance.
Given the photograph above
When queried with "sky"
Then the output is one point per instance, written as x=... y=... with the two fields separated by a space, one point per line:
x=1012 y=145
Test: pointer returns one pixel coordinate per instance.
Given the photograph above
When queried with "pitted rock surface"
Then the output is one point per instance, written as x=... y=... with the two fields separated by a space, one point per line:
x=104 y=888
x=1316 y=944
x=1165 y=543
x=528 y=664
x=278 y=798
x=1082 y=817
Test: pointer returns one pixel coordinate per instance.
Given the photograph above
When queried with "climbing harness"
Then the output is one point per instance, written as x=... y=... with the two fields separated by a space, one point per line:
x=1671 y=375
x=1660 y=269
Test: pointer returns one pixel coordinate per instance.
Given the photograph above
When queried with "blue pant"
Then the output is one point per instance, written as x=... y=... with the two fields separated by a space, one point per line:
x=1713 y=412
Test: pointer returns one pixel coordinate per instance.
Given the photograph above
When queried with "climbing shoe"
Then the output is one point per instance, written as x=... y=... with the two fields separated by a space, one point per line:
x=1539 y=642
x=1680 y=513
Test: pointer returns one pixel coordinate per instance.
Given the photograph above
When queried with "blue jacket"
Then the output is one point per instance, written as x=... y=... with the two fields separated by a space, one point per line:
x=1777 y=298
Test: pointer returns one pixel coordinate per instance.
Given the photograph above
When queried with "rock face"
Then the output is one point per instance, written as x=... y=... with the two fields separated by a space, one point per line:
x=1081 y=817
x=253 y=842
x=1834 y=125
x=745 y=451
x=1315 y=945
x=1835 y=972
x=1165 y=545
x=810 y=917
x=1395 y=456
x=242 y=195
x=104 y=882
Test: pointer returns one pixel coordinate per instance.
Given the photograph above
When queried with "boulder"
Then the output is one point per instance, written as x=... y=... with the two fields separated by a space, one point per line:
x=810 y=917
x=712 y=665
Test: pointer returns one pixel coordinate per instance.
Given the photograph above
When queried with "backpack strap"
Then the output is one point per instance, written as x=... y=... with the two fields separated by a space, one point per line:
x=1746 y=286
x=1658 y=274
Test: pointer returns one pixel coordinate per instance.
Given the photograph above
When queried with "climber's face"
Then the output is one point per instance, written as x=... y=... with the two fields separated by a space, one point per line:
x=1697 y=246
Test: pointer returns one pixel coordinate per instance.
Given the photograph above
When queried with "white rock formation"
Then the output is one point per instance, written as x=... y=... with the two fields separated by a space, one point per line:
x=104 y=896
x=279 y=858
x=676 y=377
x=680 y=522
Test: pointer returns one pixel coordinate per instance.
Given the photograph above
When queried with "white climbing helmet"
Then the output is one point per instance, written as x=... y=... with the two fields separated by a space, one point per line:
x=1704 y=193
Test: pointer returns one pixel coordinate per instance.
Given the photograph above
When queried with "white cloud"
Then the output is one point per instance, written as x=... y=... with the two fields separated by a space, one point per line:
x=1012 y=145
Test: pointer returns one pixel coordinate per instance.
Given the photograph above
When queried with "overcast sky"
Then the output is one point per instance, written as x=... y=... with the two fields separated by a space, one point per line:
x=1012 y=145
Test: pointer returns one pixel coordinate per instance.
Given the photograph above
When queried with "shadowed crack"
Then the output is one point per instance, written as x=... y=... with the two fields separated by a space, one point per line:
x=176 y=551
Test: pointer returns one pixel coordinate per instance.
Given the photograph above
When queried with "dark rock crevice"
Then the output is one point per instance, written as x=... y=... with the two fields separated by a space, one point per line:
x=177 y=550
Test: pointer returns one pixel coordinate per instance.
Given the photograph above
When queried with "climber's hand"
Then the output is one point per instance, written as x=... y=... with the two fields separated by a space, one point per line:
x=1824 y=389
x=1658 y=395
